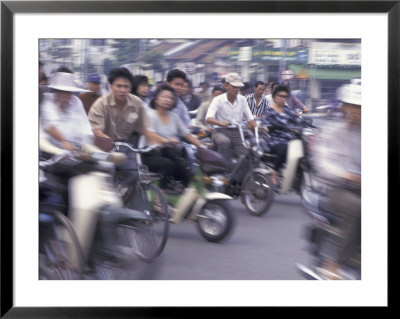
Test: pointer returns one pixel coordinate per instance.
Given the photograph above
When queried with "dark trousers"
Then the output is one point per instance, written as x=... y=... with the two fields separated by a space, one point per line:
x=280 y=150
x=128 y=171
x=168 y=162
x=228 y=143
x=347 y=204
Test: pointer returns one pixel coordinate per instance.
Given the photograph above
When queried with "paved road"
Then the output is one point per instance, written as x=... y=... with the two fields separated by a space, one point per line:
x=260 y=248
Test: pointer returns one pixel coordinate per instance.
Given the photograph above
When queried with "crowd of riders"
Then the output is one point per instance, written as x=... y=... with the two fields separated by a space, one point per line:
x=167 y=113
x=140 y=113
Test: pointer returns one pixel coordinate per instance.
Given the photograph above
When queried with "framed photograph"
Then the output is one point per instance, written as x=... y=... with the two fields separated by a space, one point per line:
x=26 y=25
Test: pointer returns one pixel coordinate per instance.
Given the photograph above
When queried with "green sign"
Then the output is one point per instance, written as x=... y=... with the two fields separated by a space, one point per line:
x=269 y=54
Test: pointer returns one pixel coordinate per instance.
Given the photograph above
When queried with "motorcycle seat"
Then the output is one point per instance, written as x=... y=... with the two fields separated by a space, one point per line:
x=211 y=169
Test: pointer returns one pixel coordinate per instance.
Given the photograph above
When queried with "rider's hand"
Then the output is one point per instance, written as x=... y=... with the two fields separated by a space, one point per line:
x=201 y=145
x=265 y=128
x=223 y=123
x=173 y=141
x=67 y=146
x=252 y=124
x=353 y=177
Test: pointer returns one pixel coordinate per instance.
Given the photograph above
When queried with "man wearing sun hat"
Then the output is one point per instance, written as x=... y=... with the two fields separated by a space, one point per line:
x=93 y=85
x=63 y=119
x=336 y=158
x=227 y=108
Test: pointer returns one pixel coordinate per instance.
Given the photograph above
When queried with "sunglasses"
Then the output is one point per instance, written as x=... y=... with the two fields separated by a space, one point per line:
x=282 y=96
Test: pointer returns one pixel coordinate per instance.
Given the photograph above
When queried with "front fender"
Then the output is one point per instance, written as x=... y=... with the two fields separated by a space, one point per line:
x=258 y=170
x=294 y=153
x=261 y=170
x=201 y=201
x=215 y=195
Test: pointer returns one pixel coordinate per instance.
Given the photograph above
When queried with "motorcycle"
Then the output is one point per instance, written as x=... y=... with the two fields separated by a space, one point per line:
x=54 y=248
x=247 y=180
x=209 y=210
x=321 y=233
x=115 y=242
x=296 y=173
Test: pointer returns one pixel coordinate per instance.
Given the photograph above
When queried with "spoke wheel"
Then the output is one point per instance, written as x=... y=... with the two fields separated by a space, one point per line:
x=215 y=221
x=258 y=194
x=126 y=259
x=60 y=254
x=155 y=204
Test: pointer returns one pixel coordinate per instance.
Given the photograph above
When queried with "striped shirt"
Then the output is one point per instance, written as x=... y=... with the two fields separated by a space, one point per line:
x=257 y=110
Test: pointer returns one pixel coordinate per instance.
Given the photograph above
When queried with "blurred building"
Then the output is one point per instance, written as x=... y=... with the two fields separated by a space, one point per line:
x=314 y=67
x=330 y=63
x=83 y=56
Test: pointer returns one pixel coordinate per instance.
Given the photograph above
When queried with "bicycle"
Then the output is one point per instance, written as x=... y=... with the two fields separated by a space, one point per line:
x=143 y=194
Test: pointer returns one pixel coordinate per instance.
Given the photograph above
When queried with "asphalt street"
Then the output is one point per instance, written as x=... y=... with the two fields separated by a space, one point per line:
x=259 y=248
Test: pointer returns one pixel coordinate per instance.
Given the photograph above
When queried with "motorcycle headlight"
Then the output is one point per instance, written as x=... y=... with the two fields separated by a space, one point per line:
x=257 y=151
x=217 y=181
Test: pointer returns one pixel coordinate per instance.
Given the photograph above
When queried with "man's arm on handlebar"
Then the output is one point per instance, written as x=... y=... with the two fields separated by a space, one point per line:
x=213 y=121
x=252 y=124
x=98 y=132
x=56 y=134
x=46 y=146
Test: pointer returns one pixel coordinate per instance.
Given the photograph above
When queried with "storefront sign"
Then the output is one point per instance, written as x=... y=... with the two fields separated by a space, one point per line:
x=303 y=75
x=287 y=74
x=331 y=53
x=260 y=54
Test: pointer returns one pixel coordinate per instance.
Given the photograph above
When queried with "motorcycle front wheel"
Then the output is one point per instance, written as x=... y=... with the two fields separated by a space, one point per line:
x=258 y=194
x=215 y=220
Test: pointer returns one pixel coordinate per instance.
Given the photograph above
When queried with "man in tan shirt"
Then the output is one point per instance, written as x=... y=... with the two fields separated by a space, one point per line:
x=118 y=115
x=121 y=116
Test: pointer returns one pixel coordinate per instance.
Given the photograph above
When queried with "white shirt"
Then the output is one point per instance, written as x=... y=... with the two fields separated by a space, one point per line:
x=337 y=150
x=72 y=122
x=269 y=98
x=223 y=110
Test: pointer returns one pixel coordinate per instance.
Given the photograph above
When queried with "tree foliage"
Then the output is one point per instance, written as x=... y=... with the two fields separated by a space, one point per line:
x=108 y=65
x=126 y=50
x=153 y=60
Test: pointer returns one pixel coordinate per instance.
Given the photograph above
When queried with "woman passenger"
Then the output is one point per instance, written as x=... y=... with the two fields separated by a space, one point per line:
x=170 y=161
x=280 y=119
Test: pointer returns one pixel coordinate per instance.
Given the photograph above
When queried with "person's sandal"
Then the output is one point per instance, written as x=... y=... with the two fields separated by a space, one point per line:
x=276 y=187
x=327 y=274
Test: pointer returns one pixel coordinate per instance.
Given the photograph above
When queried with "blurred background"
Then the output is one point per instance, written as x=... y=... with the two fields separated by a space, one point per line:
x=314 y=68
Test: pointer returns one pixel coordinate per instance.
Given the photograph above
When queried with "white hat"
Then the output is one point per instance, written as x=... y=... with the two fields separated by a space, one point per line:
x=63 y=81
x=234 y=79
x=350 y=93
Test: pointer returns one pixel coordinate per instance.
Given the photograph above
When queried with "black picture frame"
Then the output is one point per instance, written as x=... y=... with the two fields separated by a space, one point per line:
x=9 y=8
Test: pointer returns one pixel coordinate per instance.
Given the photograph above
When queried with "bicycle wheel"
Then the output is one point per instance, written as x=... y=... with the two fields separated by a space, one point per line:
x=159 y=210
x=60 y=254
x=126 y=258
x=154 y=202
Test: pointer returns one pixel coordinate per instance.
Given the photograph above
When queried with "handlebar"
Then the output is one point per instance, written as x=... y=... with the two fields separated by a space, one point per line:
x=54 y=160
x=135 y=150
x=113 y=157
x=239 y=126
